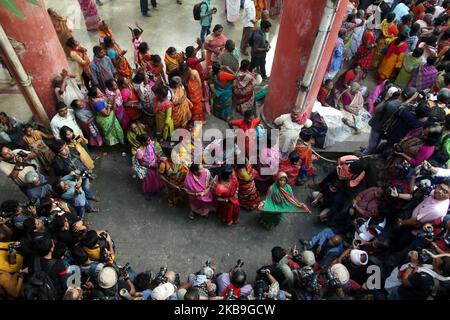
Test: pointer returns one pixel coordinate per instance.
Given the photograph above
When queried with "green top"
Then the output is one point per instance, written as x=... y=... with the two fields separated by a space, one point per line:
x=205 y=21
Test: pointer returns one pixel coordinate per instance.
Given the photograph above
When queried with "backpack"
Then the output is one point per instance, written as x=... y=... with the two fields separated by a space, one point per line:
x=40 y=286
x=197 y=10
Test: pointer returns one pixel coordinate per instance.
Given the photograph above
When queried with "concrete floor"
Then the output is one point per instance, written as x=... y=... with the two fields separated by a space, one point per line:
x=149 y=234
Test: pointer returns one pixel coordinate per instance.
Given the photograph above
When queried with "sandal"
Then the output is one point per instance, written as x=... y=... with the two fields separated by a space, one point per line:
x=191 y=215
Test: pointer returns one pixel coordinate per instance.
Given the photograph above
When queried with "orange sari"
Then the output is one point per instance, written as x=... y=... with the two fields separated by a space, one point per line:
x=123 y=67
x=195 y=95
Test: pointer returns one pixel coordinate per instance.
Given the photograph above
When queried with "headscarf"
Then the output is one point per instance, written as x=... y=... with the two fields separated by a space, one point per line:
x=357 y=255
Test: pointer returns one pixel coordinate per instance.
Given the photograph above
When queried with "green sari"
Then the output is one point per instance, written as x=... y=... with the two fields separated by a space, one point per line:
x=112 y=131
x=131 y=137
x=279 y=201
x=409 y=64
x=223 y=99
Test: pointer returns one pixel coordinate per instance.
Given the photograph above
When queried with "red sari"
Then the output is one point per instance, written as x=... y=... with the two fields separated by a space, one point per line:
x=195 y=95
x=227 y=209
x=292 y=171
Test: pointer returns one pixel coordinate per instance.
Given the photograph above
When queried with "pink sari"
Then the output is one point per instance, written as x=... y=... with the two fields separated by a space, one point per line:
x=151 y=184
x=193 y=184
x=213 y=44
x=119 y=109
x=90 y=13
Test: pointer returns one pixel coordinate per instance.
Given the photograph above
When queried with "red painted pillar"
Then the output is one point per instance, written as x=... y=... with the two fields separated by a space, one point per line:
x=299 y=25
x=37 y=46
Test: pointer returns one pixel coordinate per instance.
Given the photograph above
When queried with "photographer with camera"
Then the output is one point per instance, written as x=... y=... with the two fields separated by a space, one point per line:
x=69 y=163
x=37 y=187
x=326 y=246
x=433 y=207
x=163 y=287
x=99 y=246
x=202 y=281
x=419 y=281
x=269 y=288
x=66 y=231
x=16 y=163
x=232 y=285
x=70 y=189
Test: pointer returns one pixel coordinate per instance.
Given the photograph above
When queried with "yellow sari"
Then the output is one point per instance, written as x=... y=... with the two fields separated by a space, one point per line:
x=84 y=156
x=182 y=107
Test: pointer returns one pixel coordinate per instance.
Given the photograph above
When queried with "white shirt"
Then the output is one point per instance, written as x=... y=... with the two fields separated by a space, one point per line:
x=249 y=13
x=289 y=131
x=7 y=168
x=72 y=92
x=58 y=122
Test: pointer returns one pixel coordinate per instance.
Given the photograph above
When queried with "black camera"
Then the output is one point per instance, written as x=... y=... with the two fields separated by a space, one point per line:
x=103 y=235
x=208 y=263
x=125 y=269
x=13 y=246
x=260 y=288
x=425 y=187
x=427 y=234
x=424 y=257
x=332 y=281
x=403 y=168
x=239 y=264
x=22 y=154
x=47 y=220
x=308 y=280
x=161 y=276
x=177 y=280
x=425 y=169
x=31 y=203
x=86 y=175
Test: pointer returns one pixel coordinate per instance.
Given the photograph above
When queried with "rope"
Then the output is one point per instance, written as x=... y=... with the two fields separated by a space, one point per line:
x=322 y=157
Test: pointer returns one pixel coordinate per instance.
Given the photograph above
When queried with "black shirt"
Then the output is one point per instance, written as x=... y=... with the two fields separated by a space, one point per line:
x=63 y=166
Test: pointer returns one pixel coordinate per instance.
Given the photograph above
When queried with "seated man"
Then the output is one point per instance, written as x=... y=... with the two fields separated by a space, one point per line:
x=331 y=199
x=326 y=245
x=37 y=187
x=15 y=164
x=234 y=283
x=366 y=202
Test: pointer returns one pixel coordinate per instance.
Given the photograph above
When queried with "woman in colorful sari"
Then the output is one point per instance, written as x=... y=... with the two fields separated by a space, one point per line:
x=388 y=33
x=355 y=74
x=349 y=25
x=327 y=94
x=260 y=5
x=143 y=89
x=243 y=88
x=221 y=85
x=77 y=143
x=146 y=165
x=113 y=94
x=365 y=52
x=198 y=184
x=112 y=131
x=193 y=83
x=62 y=27
x=86 y=119
x=79 y=62
x=214 y=45
x=392 y=61
x=114 y=51
x=279 y=200
x=129 y=98
x=424 y=76
x=135 y=129
x=351 y=102
x=162 y=107
x=410 y=62
x=33 y=140
x=181 y=105
x=90 y=13
x=173 y=59
x=358 y=34
x=225 y=191
x=248 y=194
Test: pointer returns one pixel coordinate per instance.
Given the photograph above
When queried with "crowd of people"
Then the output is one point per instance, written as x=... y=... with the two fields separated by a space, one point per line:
x=384 y=210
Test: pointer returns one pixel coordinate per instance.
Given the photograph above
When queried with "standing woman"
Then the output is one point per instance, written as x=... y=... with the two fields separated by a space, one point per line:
x=248 y=194
x=279 y=200
x=145 y=165
x=79 y=62
x=173 y=59
x=410 y=62
x=181 y=105
x=193 y=83
x=86 y=119
x=33 y=140
x=244 y=88
x=130 y=98
x=221 y=85
x=260 y=5
x=162 y=107
x=114 y=51
x=198 y=187
x=388 y=33
x=365 y=52
x=90 y=13
x=214 y=45
x=424 y=76
x=77 y=143
x=392 y=61
x=225 y=190
x=112 y=93
x=112 y=132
